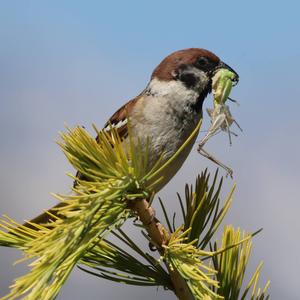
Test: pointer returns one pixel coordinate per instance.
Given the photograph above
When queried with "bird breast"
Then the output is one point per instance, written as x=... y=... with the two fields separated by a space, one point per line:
x=166 y=116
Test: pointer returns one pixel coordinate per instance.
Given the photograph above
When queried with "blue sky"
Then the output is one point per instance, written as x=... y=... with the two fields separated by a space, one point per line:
x=76 y=62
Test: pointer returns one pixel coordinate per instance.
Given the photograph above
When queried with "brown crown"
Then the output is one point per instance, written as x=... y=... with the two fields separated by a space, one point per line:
x=165 y=70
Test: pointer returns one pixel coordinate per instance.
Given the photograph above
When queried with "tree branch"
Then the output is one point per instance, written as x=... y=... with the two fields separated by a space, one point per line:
x=160 y=236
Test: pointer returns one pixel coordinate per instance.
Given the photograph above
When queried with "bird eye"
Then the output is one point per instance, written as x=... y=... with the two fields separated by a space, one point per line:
x=202 y=61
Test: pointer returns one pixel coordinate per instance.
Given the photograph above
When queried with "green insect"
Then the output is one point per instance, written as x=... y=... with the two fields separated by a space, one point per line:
x=222 y=85
x=221 y=117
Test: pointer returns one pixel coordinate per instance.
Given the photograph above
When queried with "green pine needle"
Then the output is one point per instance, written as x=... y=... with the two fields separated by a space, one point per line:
x=114 y=263
x=96 y=207
x=115 y=173
x=186 y=259
x=231 y=266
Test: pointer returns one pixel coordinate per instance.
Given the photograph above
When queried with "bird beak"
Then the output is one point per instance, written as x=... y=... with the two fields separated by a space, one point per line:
x=222 y=65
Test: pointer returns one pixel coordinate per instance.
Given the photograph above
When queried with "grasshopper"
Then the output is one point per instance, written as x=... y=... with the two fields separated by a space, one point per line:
x=220 y=115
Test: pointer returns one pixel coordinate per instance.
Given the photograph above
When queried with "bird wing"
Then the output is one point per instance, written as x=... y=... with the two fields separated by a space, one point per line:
x=118 y=120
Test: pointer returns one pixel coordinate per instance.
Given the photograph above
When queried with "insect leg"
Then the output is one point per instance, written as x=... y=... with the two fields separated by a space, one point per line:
x=229 y=132
x=213 y=159
x=237 y=124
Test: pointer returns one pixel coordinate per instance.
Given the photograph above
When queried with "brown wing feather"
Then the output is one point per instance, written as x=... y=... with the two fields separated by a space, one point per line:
x=121 y=115
x=117 y=118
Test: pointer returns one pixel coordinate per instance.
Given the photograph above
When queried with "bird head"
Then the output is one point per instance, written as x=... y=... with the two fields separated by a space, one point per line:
x=193 y=69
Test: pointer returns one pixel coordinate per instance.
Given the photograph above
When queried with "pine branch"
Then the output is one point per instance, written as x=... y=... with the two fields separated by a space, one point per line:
x=231 y=266
x=120 y=185
x=98 y=206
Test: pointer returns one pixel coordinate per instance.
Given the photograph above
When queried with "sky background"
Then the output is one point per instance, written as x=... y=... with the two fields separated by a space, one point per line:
x=76 y=62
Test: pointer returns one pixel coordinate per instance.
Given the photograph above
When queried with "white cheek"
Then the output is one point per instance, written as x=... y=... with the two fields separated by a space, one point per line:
x=173 y=89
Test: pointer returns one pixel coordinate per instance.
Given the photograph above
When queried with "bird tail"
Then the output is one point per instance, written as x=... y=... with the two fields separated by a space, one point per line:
x=44 y=218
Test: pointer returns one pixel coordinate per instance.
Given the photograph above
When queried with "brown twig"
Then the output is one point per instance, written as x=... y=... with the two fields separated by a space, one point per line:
x=160 y=236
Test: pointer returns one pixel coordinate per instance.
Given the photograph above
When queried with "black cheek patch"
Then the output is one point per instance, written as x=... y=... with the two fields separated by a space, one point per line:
x=199 y=103
x=188 y=79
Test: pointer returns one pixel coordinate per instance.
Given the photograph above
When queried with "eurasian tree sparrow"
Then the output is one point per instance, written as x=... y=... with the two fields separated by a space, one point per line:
x=170 y=107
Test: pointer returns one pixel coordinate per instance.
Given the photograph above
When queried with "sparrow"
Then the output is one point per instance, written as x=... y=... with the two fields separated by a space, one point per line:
x=169 y=108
